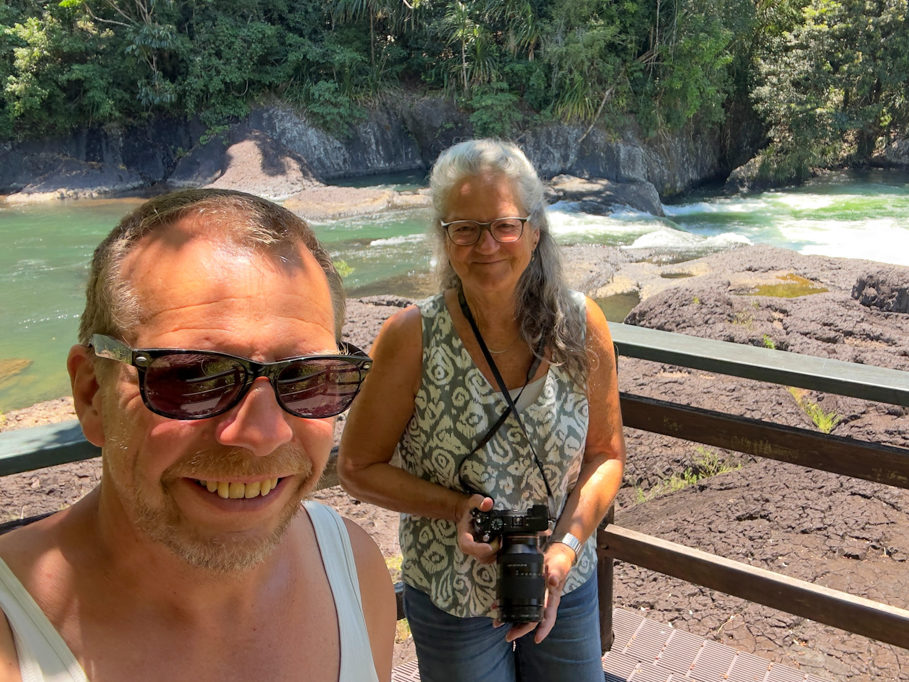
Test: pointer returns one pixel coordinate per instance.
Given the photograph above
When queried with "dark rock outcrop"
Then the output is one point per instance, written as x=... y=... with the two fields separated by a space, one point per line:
x=745 y=178
x=600 y=197
x=96 y=162
x=671 y=163
x=886 y=289
x=381 y=144
x=404 y=134
x=766 y=296
x=896 y=154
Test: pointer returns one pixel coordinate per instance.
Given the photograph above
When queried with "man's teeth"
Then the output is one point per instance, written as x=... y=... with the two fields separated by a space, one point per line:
x=235 y=491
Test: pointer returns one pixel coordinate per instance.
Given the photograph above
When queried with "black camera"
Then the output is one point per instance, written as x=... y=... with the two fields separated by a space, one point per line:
x=522 y=587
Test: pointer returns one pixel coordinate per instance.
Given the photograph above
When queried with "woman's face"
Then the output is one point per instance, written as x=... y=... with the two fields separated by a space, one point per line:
x=488 y=267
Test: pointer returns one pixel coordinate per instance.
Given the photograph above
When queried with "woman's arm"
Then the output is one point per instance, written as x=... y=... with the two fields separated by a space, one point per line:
x=374 y=426
x=601 y=469
x=604 y=453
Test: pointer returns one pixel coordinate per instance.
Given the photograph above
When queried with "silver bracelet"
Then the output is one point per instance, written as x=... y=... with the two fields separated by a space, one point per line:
x=573 y=542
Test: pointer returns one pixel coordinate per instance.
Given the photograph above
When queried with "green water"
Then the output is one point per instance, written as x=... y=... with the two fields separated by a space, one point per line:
x=43 y=267
x=383 y=254
x=790 y=286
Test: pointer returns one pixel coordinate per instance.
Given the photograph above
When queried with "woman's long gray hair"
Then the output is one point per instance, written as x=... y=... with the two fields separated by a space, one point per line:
x=545 y=311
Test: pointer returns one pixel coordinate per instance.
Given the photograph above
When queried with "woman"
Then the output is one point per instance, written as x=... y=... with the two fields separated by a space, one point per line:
x=432 y=402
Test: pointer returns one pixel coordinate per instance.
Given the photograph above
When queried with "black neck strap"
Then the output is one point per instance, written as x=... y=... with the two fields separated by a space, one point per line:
x=537 y=358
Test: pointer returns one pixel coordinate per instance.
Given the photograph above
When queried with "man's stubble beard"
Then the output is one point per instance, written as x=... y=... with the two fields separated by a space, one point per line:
x=164 y=523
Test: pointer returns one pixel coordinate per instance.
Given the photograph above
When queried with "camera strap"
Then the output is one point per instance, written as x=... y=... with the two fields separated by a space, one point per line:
x=493 y=430
x=538 y=354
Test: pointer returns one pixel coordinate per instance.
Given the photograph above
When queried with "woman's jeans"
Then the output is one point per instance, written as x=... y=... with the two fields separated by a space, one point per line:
x=452 y=649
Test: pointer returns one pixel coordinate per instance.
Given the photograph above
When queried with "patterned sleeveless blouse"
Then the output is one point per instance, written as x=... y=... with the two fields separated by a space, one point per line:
x=453 y=409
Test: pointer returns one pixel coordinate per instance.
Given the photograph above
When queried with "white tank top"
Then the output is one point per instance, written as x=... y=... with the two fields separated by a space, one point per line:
x=45 y=657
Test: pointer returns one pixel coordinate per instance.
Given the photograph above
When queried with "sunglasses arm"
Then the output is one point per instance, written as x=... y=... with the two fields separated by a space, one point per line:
x=348 y=348
x=108 y=347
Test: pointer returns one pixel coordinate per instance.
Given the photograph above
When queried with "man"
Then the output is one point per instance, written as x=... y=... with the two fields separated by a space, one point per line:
x=194 y=559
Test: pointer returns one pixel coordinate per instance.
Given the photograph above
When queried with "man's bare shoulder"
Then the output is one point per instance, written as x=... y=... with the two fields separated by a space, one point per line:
x=44 y=556
x=366 y=552
x=18 y=549
x=9 y=661
x=364 y=547
x=38 y=538
x=377 y=595
x=18 y=545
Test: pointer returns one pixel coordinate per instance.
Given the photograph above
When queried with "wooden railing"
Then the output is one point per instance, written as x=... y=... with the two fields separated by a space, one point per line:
x=43 y=446
x=871 y=461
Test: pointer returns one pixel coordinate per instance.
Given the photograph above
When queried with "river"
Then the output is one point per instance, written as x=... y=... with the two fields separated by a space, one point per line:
x=46 y=248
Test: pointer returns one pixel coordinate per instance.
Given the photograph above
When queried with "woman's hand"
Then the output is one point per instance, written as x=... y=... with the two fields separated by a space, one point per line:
x=557 y=562
x=483 y=552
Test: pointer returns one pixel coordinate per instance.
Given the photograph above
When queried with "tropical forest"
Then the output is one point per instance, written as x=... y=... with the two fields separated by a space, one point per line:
x=824 y=81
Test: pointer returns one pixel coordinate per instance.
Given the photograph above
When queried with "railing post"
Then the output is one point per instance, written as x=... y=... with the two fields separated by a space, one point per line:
x=604 y=583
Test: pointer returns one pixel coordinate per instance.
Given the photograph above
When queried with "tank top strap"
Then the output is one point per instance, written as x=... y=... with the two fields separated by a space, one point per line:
x=341 y=569
x=43 y=655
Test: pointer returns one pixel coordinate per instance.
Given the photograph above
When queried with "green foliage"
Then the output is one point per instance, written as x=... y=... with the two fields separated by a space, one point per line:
x=589 y=48
x=831 y=82
x=768 y=342
x=823 y=420
x=331 y=109
x=495 y=110
x=708 y=463
x=828 y=77
x=683 y=71
x=344 y=270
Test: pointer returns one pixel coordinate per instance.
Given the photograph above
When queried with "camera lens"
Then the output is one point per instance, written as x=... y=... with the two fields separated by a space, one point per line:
x=521 y=585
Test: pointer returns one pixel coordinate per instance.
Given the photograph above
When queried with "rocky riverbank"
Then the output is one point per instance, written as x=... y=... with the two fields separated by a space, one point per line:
x=277 y=153
x=831 y=530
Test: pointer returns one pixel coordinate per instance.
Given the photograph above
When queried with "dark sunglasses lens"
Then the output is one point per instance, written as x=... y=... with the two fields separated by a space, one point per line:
x=319 y=387
x=192 y=385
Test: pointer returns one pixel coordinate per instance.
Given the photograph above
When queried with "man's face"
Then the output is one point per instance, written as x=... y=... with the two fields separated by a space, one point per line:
x=168 y=477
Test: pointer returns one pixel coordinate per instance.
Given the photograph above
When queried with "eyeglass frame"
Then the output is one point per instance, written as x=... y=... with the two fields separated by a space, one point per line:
x=109 y=348
x=485 y=226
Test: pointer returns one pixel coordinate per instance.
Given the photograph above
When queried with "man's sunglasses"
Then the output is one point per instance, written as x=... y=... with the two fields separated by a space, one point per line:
x=197 y=384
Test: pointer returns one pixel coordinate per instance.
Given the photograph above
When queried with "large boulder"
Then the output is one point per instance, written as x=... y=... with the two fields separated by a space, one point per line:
x=600 y=196
x=886 y=289
x=380 y=144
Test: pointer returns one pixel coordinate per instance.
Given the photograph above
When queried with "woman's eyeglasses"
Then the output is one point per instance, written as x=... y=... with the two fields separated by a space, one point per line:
x=197 y=384
x=467 y=232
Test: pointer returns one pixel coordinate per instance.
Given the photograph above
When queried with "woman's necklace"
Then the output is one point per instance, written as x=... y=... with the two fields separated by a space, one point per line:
x=491 y=350
x=504 y=350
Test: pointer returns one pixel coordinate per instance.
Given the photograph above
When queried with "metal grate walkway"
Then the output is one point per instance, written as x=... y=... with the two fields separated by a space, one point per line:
x=647 y=651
